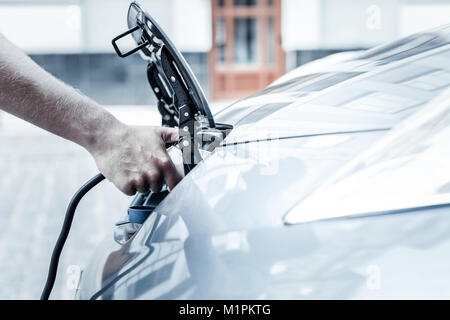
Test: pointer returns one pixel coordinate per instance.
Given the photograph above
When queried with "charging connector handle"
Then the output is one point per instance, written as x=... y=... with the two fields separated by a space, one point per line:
x=51 y=277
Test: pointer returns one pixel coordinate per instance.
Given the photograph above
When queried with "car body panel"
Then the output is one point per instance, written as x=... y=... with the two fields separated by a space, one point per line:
x=408 y=168
x=386 y=256
x=220 y=233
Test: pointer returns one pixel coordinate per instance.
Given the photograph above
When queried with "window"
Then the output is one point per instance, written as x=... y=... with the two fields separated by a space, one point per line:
x=247 y=3
x=246 y=40
x=271 y=41
x=221 y=39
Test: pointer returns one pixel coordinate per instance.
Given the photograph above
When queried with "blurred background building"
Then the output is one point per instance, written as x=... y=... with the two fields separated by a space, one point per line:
x=235 y=47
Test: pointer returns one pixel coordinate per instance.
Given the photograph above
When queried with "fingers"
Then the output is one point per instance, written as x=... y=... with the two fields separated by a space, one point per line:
x=148 y=180
x=152 y=179
x=141 y=185
x=169 y=134
x=164 y=170
x=129 y=189
x=140 y=161
x=170 y=173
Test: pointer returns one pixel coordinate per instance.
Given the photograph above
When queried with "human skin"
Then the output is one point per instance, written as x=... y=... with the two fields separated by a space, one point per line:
x=133 y=158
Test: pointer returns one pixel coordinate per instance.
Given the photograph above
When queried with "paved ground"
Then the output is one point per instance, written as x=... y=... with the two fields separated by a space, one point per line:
x=39 y=174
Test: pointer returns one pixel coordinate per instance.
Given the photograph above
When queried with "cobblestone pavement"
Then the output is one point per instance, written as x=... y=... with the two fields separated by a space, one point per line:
x=39 y=174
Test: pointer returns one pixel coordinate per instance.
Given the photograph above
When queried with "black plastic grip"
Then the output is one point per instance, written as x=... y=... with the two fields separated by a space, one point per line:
x=120 y=36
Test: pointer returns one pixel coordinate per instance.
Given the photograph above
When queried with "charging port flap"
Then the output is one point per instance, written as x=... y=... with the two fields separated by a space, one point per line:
x=181 y=100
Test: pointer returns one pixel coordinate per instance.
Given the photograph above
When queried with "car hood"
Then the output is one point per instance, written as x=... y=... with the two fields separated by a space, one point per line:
x=370 y=90
x=220 y=233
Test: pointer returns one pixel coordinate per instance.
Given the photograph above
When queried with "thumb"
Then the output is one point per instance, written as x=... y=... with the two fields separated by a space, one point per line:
x=169 y=134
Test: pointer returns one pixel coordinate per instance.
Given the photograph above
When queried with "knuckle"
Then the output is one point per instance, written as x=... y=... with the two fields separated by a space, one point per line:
x=153 y=176
x=128 y=188
x=164 y=162
x=139 y=181
x=141 y=184
x=129 y=191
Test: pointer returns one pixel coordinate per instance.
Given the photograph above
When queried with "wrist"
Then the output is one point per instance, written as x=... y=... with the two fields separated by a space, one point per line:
x=104 y=131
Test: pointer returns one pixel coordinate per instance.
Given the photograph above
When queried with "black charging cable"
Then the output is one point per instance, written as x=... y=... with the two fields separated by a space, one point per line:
x=51 y=277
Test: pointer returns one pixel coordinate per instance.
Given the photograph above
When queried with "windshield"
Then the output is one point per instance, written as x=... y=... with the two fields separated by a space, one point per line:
x=409 y=168
x=377 y=99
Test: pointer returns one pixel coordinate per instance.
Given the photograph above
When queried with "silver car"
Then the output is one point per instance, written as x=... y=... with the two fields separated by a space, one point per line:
x=333 y=184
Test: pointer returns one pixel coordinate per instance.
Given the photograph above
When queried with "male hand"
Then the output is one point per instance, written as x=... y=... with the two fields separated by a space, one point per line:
x=132 y=158
x=135 y=159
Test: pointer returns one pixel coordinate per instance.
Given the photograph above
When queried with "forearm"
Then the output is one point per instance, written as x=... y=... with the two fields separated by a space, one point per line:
x=134 y=159
x=29 y=92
